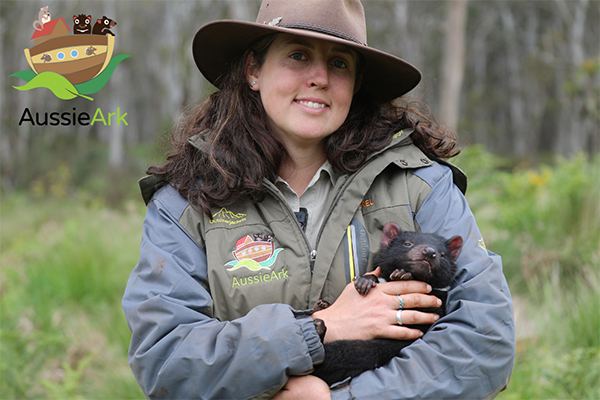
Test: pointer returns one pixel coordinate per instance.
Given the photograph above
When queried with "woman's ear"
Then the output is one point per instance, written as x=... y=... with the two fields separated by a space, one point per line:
x=251 y=71
x=358 y=83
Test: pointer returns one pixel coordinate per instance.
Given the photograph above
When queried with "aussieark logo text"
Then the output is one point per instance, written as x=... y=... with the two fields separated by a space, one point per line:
x=73 y=118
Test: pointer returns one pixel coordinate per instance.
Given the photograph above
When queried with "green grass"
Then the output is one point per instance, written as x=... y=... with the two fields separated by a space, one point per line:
x=64 y=268
x=562 y=361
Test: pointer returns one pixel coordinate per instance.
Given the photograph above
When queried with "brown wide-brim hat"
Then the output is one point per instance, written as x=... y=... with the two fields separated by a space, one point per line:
x=217 y=44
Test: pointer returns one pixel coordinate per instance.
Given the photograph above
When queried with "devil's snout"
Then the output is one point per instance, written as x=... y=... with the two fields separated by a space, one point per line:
x=429 y=252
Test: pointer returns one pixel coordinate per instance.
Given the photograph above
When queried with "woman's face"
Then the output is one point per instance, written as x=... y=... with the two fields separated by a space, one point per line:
x=306 y=87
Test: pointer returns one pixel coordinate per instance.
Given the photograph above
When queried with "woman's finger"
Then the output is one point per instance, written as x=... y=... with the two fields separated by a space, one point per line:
x=412 y=317
x=402 y=287
x=408 y=318
x=414 y=300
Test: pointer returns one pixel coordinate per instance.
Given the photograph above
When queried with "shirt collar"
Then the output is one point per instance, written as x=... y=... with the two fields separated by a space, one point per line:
x=326 y=169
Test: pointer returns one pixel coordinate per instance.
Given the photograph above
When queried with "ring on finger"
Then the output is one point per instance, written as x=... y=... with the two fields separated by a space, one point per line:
x=399 y=317
x=401 y=305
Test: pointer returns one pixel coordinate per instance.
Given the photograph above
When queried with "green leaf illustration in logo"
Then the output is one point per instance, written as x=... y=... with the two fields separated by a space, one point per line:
x=268 y=263
x=61 y=87
x=94 y=85
x=25 y=75
x=247 y=263
x=58 y=84
x=253 y=265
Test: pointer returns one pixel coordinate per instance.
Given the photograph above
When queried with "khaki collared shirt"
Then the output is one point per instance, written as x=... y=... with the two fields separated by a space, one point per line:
x=313 y=198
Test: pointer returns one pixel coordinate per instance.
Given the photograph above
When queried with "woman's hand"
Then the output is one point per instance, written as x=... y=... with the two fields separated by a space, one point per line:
x=304 y=387
x=354 y=316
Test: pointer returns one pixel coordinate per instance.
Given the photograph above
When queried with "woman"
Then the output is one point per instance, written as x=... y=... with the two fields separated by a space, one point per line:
x=275 y=196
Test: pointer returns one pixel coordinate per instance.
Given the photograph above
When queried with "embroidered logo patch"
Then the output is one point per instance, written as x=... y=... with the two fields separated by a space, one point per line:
x=254 y=253
x=228 y=217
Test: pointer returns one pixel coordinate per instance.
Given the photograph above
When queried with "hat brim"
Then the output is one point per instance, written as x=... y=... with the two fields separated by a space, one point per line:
x=217 y=44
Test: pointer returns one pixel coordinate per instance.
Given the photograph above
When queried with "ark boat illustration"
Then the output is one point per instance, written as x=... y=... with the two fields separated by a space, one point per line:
x=247 y=248
x=78 y=58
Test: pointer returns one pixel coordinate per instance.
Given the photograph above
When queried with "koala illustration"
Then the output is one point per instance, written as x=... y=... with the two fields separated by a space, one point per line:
x=82 y=24
x=102 y=26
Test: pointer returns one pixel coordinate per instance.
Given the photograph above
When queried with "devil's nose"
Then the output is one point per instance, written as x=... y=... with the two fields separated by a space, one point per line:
x=429 y=252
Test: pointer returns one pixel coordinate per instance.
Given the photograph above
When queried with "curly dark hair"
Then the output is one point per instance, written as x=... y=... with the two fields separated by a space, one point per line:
x=239 y=152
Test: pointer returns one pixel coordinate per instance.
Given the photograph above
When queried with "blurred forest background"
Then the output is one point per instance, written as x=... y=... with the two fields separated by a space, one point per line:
x=518 y=80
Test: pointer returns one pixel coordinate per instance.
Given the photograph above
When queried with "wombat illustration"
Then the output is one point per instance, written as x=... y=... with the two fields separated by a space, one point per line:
x=403 y=256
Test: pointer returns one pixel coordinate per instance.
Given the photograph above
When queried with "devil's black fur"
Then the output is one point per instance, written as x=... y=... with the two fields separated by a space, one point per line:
x=403 y=255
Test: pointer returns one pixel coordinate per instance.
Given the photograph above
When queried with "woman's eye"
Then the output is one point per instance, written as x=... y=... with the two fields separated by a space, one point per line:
x=339 y=64
x=298 y=56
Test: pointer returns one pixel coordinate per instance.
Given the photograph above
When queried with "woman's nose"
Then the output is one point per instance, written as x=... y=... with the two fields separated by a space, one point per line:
x=319 y=75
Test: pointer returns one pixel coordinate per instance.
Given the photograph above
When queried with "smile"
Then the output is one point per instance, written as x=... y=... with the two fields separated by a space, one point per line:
x=312 y=104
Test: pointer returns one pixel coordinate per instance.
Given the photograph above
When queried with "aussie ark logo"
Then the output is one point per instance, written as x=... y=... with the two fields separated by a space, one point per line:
x=70 y=62
x=255 y=253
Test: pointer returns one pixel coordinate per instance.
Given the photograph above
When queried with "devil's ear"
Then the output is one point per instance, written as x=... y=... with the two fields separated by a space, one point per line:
x=455 y=244
x=390 y=231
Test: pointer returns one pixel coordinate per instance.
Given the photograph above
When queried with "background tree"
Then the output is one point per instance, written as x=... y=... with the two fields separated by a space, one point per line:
x=453 y=62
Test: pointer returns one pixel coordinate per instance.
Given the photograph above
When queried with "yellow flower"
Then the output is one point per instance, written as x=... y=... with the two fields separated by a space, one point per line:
x=539 y=179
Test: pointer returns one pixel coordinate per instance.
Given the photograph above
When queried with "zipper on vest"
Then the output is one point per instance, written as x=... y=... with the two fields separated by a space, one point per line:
x=343 y=185
x=277 y=194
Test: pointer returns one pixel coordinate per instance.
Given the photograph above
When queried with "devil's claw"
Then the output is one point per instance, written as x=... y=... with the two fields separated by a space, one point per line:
x=364 y=283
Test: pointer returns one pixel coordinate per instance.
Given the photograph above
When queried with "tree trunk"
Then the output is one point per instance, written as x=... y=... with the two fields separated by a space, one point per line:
x=575 y=138
x=518 y=129
x=453 y=64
